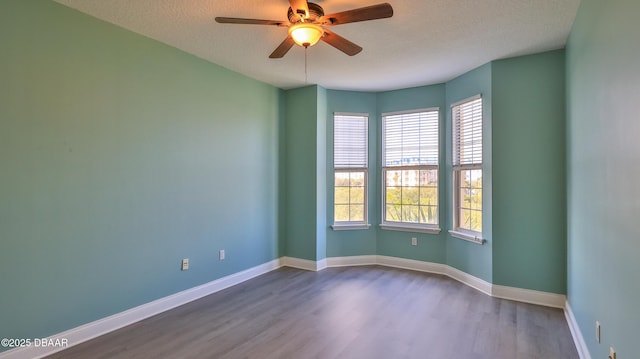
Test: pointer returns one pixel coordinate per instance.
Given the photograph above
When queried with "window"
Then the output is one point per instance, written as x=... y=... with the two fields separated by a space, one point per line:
x=350 y=161
x=410 y=153
x=467 y=169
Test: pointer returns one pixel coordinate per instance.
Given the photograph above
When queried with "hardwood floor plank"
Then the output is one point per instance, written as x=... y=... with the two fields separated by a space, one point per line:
x=351 y=312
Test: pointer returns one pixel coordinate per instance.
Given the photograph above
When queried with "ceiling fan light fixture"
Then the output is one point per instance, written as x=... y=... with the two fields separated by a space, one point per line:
x=306 y=25
x=305 y=34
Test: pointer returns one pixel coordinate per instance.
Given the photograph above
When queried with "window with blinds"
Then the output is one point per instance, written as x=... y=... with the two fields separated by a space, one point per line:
x=410 y=154
x=467 y=134
x=467 y=167
x=350 y=161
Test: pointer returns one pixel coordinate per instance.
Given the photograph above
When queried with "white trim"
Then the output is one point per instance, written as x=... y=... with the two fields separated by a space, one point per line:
x=418 y=110
x=409 y=228
x=511 y=293
x=304 y=264
x=105 y=325
x=108 y=324
x=468 y=99
x=498 y=291
x=576 y=333
x=352 y=167
x=403 y=226
x=529 y=296
x=412 y=264
x=351 y=261
x=467 y=237
x=363 y=114
x=321 y=264
x=349 y=226
x=470 y=280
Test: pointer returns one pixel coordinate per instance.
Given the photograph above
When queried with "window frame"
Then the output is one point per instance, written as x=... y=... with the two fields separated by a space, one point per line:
x=457 y=169
x=352 y=225
x=410 y=226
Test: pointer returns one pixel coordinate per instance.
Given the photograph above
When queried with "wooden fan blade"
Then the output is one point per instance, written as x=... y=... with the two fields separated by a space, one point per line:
x=282 y=50
x=340 y=43
x=300 y=7
x=373 y=12
x=235 y=20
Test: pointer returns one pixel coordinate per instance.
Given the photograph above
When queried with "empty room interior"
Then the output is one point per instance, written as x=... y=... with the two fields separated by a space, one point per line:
x=431 y=179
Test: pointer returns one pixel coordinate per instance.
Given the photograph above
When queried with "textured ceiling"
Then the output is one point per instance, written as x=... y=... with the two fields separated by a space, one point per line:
x=425 y=42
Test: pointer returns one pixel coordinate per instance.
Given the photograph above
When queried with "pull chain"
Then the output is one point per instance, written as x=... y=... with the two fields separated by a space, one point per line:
x=305 y=65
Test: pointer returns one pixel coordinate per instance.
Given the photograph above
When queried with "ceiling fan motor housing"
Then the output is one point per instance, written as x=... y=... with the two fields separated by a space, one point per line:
x=315 y=12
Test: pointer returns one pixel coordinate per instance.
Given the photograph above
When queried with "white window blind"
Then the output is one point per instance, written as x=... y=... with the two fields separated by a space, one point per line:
x=410 y=151
x=410 y=139
x=350 y=141
x=467 y=132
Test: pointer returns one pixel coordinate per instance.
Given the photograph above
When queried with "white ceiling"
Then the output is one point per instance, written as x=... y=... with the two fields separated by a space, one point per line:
x=425 y=42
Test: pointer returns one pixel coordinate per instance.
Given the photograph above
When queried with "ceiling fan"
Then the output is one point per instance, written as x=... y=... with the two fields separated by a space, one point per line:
x=307 y=23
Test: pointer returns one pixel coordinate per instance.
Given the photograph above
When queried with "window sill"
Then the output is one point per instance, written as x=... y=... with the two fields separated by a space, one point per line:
x=409 y=228
x=350 y=227
x=467 y=237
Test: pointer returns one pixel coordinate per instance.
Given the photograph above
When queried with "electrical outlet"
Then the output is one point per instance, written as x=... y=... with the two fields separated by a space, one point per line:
x=612 y=353
x=222 y=256
x=185 y=264
x=414 y=241
x=598 y=331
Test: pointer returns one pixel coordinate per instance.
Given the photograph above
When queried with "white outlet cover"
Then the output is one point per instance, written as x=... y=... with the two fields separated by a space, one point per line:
x=185 y=264
x=222 y=254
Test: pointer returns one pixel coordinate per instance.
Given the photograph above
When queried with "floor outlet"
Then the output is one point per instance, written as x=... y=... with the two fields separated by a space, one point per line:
x=185 y=264
x=414 y=241
x=222 y=254
x=598 y=331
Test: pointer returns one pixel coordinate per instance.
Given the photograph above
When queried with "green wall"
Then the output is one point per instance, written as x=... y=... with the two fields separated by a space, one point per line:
x=466 y=256
x=305 y=199
x=603 y=172
x=529 y=214
x=321 y=175
x=352 y=242
x=525 y=213
x=115 y=156
x=120 y=156
x=431 y=247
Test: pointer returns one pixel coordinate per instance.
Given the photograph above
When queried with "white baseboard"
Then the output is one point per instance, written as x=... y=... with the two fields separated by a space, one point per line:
x=437 y=268
x=321 y=264
x=351 y=261
x=411 y=264
x=511 y=293
x=576 y=333
x=102 y=326
x=105 y=325
x=499 y=291
x=470 y=280
x=301 y=263
x=529 y=296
